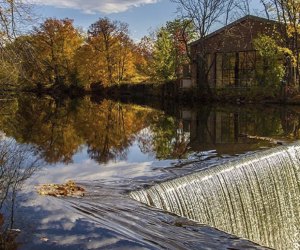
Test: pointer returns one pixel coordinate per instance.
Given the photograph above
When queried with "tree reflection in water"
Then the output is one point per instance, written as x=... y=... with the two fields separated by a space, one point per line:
x=61 y=128
x=17 y=164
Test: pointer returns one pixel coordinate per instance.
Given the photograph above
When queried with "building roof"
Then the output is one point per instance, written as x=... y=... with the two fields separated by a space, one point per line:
x=229 y=26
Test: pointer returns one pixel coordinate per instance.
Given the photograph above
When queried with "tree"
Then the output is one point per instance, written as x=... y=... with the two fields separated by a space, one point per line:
x=18 y=163
x=55 y=43
x=170 y=49
x=13 y=14
x=163 y=57
x=286 y=12
x=205 y=15
x=29 y=68
x=271 y=68
x=125 y=58
x=144 y=57
x=182 y=33
x=112 y=49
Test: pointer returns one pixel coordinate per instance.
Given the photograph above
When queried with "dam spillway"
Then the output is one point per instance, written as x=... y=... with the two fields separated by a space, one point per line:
x=255 y=197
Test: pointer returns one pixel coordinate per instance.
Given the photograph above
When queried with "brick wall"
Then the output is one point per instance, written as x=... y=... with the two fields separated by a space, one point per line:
x=236 y=37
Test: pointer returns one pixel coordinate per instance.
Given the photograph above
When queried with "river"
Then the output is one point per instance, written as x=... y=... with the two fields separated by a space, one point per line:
x=118 y=150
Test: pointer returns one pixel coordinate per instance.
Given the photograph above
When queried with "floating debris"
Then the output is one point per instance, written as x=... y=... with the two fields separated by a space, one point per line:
x=44 y=239
x=58 y=190
x=271 y=140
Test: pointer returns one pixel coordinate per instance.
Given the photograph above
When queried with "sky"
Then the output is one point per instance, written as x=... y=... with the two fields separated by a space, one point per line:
x=143 y=16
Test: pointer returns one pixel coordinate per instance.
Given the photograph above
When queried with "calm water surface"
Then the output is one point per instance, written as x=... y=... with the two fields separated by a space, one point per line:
x=112 y=148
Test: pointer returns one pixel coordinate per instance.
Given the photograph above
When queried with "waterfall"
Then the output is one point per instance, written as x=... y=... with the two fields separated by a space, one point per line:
x=256 y=197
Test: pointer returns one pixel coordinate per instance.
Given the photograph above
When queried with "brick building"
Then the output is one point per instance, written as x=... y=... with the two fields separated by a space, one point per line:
x=230 y=56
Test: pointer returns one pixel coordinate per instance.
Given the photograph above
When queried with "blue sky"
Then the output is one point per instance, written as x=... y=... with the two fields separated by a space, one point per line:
x=142 y=16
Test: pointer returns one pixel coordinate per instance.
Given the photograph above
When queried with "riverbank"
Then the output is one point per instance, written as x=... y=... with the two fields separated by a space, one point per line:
x=173 y=91
x=169 y=91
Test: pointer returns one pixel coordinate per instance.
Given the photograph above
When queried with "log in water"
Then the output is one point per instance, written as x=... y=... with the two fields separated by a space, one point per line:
x=256 y=197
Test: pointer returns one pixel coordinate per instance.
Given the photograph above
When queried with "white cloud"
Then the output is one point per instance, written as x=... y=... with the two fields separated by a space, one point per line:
x=94 y=6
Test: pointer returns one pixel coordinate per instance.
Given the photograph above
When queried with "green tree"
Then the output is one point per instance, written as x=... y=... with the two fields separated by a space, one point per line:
x=271 y=67
x=182 y=32
x=170 y=50
x=287 y=14
x=163 y=57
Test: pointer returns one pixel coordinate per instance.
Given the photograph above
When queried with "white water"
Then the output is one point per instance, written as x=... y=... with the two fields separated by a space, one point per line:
x=257 y=197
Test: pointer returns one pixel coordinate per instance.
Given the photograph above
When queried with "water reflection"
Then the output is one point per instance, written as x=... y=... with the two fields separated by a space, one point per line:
x=225 y=129
x=17 y=164
x=60 y=129
x=114 y=147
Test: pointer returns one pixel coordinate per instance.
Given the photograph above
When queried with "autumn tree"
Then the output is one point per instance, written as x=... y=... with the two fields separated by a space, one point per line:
x=14 y=15
x=29 y=67
x=110 y=51
x=144 y=57
x=54 y=44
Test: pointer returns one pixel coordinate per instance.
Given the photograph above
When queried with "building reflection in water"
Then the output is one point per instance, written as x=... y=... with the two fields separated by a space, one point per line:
x=237 y=131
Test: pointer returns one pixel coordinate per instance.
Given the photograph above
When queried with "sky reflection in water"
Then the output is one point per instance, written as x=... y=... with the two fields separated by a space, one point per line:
x=112 y=148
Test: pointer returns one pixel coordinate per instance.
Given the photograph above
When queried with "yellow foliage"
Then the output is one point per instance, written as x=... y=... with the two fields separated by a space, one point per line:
x=109 y=55
x=55 y=43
